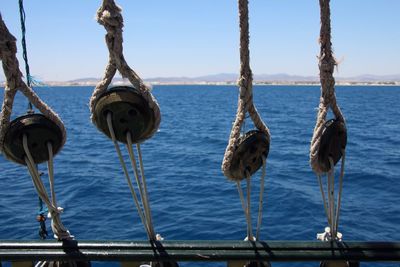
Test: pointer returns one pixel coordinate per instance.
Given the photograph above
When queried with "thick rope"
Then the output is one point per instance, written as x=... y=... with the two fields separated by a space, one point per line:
x=109 y=15
x=327 y=65
x=14 y=82
x=245 y=102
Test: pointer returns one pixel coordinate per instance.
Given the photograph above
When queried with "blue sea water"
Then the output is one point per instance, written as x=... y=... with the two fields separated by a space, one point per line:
x=190 y=198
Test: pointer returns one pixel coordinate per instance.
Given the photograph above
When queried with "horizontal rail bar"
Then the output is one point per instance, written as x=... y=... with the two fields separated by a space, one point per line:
x=198 y=251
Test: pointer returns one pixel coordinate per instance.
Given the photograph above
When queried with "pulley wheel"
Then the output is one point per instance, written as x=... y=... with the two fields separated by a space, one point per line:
x=130 y=113
x=333 y=141
x=39 y=130
x=247 y=157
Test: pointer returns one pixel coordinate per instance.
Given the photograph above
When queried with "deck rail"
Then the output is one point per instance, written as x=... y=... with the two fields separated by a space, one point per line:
x=198 y=251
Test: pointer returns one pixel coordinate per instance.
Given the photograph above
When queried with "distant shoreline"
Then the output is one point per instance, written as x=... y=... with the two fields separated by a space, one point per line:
x=217 y=83
x=277 y=83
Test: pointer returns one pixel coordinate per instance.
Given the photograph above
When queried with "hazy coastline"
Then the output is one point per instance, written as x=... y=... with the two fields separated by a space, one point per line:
x=231 y=79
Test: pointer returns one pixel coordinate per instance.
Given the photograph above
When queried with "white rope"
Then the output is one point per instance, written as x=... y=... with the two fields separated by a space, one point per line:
x=339 y=200
x=261 y=199
x=146 y=195
x=323 y=197
x=59 y=230
x=250 y=228
x=51 y=173
x=331 y=182
x=128 y=179
x=241 y=196
x=140 y=184
x=332 y=205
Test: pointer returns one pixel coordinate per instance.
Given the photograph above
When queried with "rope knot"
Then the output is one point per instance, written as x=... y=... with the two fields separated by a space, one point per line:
x=327 y=235
x=63 y=235
x=109 y=15
x=159 y=237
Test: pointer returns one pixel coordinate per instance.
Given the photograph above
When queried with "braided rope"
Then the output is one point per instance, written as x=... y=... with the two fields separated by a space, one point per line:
x=109 y=15
x=327 y=64
x=14 y=82
x=245 y=83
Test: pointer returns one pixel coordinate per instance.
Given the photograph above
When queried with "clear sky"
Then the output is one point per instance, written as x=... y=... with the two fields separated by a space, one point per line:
x=200 y=37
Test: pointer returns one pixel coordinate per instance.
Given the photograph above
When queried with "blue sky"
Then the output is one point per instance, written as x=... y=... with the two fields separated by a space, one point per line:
x=200 y=37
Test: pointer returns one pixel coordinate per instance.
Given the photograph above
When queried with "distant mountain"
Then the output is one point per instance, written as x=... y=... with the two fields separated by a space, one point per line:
x=233 y=77
x=372 y=78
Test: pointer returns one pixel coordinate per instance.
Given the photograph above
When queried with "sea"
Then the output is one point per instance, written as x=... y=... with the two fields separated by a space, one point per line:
x=189 y=196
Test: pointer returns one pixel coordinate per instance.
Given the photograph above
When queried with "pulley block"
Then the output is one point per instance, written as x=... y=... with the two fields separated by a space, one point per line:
x=333 y=141
x=247 y=156
x=39 y=130
x=130 y=113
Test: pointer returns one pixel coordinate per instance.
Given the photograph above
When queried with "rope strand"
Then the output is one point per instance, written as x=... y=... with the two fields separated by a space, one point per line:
x=24 y=49
x=59 y=230
x=141 y=184
x=128 y=179
x=260 y=201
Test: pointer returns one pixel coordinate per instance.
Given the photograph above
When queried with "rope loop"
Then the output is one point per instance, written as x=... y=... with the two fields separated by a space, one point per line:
x=109 y=15
x=14 y=82
x=326 y=65
x=245 y=83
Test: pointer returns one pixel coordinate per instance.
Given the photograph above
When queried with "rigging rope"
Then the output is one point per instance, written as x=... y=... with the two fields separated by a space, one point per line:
x=144 y=215
x=327 y=65
x=24 y=50
x=245 y=102
x=14 y=82
x=23 y=42
x=59 y=230
x=109 y=15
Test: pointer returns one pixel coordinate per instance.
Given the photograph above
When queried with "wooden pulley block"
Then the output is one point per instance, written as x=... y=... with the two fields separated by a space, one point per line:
x=130 y=113
x=247 y=157
x=333 y=141
x=39 y=131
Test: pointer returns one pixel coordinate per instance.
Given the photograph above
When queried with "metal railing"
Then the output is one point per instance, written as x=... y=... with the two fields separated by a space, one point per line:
x=198 y=251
